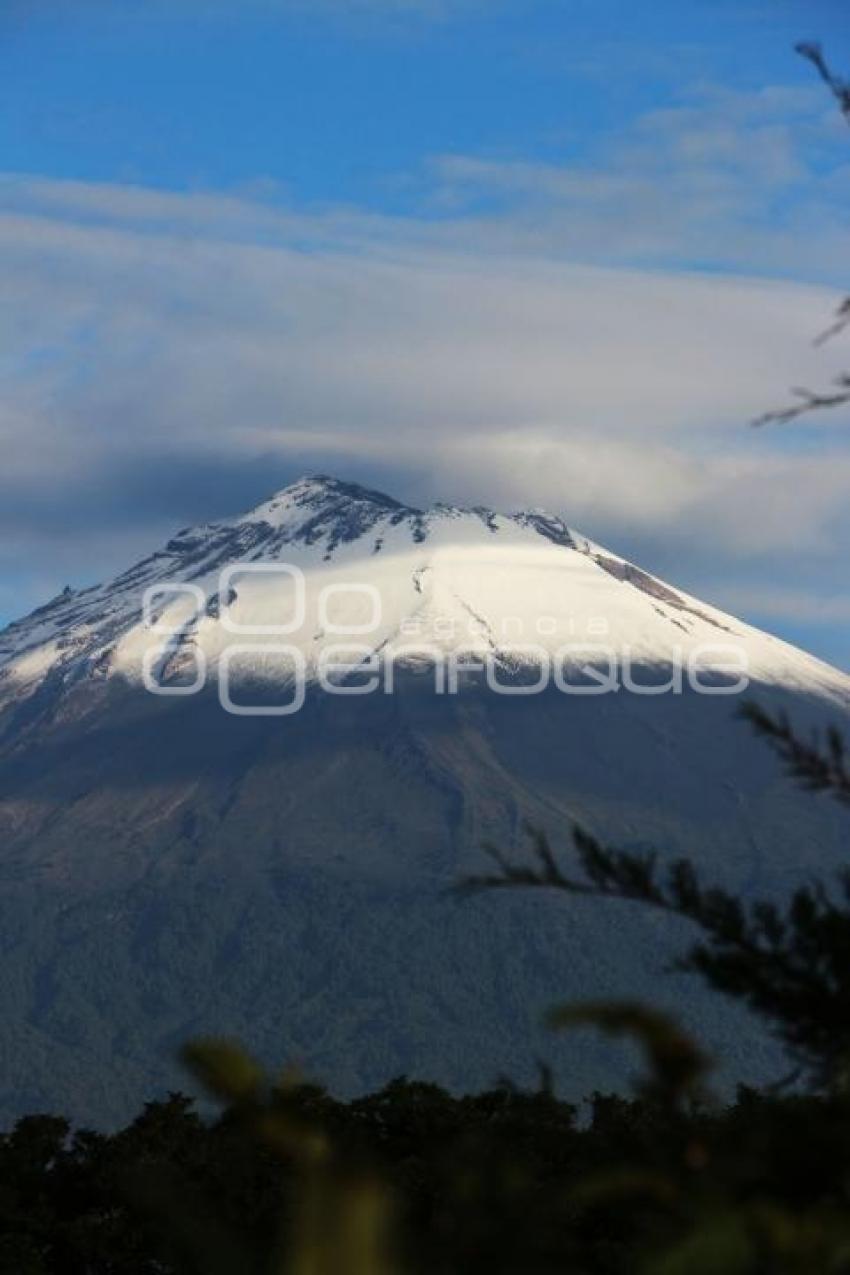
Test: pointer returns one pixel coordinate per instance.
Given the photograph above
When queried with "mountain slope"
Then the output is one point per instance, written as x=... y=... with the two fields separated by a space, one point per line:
x=169 y=868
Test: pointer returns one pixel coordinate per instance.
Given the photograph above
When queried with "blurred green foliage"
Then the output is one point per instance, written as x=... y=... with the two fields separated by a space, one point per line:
x=289 y=1181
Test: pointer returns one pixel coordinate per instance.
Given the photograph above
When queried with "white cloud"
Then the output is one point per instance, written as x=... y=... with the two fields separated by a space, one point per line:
x=155 y=342
x=409 y=337
x=809 y=606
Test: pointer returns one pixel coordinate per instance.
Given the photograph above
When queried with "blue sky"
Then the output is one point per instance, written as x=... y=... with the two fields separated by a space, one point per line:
x=533 y=252
x=335 y=100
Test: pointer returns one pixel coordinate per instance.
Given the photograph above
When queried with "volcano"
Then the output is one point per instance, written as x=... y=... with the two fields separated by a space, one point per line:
x=239 y=782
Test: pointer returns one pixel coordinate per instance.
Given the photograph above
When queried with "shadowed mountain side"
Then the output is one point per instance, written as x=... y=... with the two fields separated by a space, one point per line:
x=170 y=870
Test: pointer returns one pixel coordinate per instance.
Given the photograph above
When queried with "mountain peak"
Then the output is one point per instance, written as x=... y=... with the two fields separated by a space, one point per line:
x=334 y=511
x=320 y=492
x=438 y=571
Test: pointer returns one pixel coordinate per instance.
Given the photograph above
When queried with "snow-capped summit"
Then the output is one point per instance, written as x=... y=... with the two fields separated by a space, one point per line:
x=329 y=513
x=324 y=561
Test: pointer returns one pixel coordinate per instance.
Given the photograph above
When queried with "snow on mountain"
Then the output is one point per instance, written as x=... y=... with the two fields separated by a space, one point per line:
x=383 y=582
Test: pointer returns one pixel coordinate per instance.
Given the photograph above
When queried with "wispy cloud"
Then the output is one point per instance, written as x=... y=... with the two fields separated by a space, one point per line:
x=810 y=606
x=171 y=355
x=755 y=181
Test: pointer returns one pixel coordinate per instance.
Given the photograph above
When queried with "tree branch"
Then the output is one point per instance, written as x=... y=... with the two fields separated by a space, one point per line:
x=818 y=766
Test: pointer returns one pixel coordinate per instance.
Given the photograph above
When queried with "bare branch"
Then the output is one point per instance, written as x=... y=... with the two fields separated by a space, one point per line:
x=842 y=320
x=810 y=401
x=840 y=89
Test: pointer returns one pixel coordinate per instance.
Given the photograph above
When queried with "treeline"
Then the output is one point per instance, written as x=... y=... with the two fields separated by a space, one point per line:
x=413 y=1179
